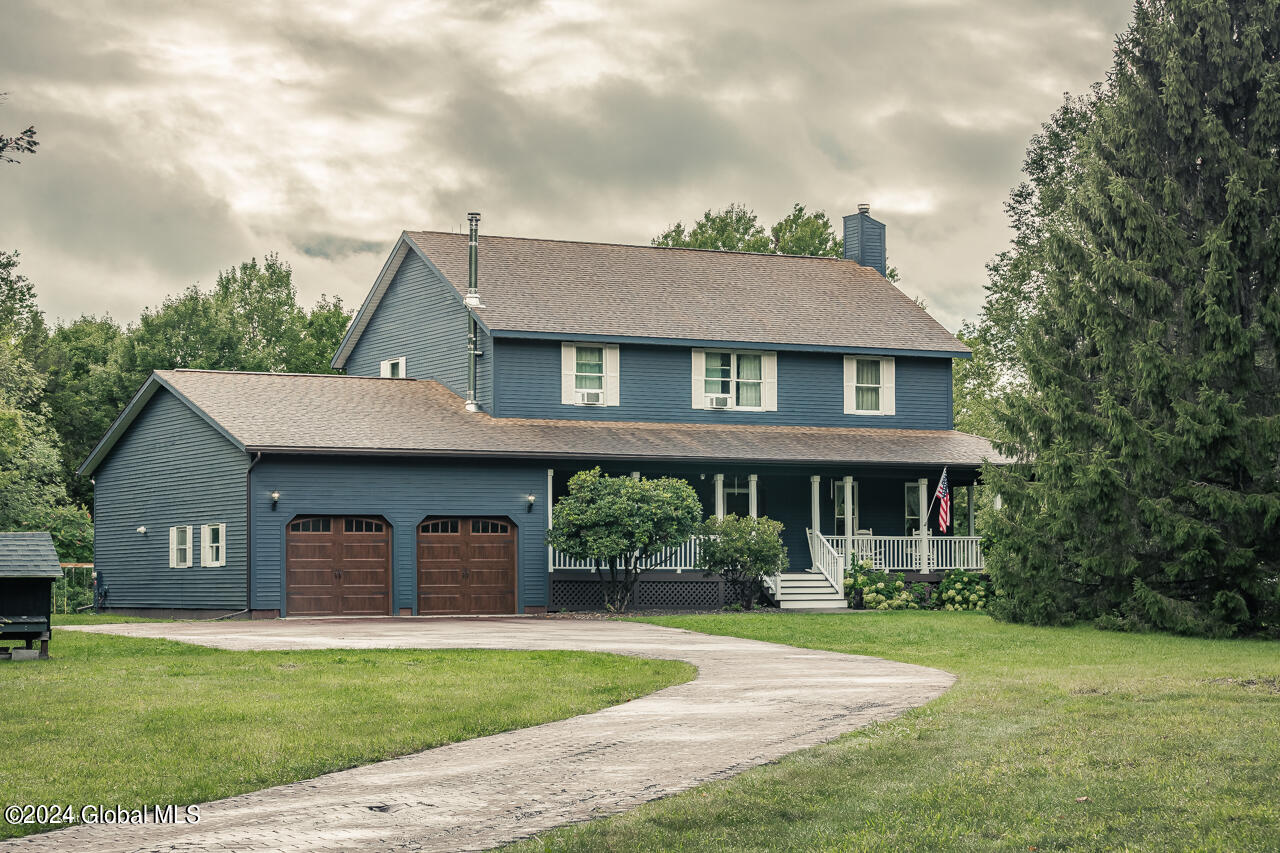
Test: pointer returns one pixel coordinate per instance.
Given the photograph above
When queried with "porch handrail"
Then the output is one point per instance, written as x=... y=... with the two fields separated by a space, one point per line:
x=680 y=558
x=902 y=553
x=826 y=559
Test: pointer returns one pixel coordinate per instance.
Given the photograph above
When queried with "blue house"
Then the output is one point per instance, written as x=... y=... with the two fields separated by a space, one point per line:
x=482 y=372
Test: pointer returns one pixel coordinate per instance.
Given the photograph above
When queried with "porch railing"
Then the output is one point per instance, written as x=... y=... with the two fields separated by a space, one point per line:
x=826 y=559
x=904 y=553
x=681 y=558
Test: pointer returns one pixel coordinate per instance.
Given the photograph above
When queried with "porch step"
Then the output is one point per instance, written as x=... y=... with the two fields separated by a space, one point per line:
x=808 y=590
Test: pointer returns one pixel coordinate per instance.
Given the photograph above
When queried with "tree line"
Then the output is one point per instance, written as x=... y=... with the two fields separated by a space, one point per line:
x=61 y=386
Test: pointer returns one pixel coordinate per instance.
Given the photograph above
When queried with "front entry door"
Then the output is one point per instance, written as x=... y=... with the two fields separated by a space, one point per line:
x=466 y=566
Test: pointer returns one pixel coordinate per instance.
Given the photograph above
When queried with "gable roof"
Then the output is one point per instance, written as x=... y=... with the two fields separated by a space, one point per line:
x=306 y=413
x=28 y=555
x=560 y=287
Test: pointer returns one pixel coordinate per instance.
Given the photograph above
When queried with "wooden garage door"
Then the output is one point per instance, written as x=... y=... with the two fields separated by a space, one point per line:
x=338 y=566
x=466 y=565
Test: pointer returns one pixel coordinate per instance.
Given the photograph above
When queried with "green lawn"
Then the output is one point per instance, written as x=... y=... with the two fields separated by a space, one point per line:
x=97 y=619
x=128 y=721
x=1053 y=739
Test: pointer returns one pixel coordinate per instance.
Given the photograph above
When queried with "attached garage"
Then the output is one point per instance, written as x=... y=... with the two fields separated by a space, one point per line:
x=466 y=566
x=338 y=566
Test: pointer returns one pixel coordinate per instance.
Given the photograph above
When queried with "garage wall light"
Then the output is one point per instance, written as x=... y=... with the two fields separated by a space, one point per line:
x=142 y=530
x=532 y=501
x=275 y=499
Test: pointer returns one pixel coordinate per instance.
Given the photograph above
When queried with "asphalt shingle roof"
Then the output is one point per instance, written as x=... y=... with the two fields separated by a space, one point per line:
x=322 y=413
x=563 y=287
x=28 y=555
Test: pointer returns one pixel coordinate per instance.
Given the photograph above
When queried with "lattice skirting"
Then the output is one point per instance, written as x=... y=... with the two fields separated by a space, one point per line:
x=578 y=590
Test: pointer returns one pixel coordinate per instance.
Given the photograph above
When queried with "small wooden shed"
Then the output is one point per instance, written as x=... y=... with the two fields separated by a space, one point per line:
x=28 y=567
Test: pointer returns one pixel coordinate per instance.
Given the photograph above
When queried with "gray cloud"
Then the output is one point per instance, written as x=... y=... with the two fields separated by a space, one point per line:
x=179 y=139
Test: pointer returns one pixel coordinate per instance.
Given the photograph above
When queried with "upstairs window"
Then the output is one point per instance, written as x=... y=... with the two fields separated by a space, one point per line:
x=729 y=379
x=393 y=368
x=868 y=385
x=213 y=545
x=589 y=375
x=180 y=547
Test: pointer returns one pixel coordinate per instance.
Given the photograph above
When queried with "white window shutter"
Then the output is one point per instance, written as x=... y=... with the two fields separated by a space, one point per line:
x=568 y=367
x=173 y=547
x=206 y=558
x=699 y=378
x=886 y=387
x=769 y=387
x=850 y=384
x=612 y=397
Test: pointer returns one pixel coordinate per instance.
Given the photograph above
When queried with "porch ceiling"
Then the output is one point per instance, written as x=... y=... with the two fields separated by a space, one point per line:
x=292 y=413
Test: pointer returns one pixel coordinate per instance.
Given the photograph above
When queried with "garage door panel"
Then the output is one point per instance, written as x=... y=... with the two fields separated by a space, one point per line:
x=466 y=566
x=338 y=566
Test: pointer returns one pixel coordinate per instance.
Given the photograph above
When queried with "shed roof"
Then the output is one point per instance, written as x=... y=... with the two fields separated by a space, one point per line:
x=28 y=555
x=305 y=413
x=562 y=287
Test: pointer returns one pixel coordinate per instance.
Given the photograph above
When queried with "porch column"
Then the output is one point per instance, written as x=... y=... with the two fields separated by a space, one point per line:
x=969 y=492
x=551 y=473
x=719 y=479
x=752 y=504
x=848 y=522
x=922 y=560
x=815 y=503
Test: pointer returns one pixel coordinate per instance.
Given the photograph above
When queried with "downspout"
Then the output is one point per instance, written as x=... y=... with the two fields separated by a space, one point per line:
x=472 y=301
x=248 y=534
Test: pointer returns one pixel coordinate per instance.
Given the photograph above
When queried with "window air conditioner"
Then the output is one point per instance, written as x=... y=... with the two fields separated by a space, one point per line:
x=720 y=402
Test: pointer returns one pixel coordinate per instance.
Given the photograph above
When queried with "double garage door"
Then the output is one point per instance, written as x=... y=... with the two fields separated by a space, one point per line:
x=341 y=566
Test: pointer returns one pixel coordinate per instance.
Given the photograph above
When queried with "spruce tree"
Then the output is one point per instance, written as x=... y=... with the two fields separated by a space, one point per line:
x=1147 y=492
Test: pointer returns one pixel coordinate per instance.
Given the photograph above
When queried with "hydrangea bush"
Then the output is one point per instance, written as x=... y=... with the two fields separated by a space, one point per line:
x=879 y=590
x=961 y=590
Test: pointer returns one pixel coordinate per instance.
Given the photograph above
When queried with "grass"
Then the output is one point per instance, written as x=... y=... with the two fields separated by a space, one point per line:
x=121 y=721
x=97 y=619
x=1053 y=739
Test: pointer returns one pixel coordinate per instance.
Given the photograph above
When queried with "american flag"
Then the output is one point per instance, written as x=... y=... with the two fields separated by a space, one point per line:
x=943 y=496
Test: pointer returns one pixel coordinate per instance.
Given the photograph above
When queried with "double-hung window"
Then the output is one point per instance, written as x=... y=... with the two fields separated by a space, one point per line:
x=213 y=545
x=728 y=379
x=589 y=375
x=393 y=368
x=868 y=385
x=180 y=547
x=912 y=504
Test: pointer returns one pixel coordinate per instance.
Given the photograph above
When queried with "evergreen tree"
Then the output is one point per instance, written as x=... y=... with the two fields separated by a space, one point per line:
x=1147 y=492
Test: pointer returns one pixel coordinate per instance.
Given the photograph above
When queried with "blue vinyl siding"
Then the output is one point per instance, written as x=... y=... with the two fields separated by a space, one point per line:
x=403 y=492
x=655 y=385
x=421 y=318
x=170 y=468
x=484 y=369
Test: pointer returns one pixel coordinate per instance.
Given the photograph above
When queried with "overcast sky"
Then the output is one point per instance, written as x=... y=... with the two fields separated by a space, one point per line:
x=181 y=138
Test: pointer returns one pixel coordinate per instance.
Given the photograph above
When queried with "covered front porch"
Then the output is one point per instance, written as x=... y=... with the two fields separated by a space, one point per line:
x=831 y=518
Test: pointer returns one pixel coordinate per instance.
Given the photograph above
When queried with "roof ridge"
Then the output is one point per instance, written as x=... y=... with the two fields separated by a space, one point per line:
x=266 y=373
x=647 y=246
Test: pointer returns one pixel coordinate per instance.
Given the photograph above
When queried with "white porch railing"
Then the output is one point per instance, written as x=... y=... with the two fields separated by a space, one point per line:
x=826 y=560
x=903 y=553
x=681 y=558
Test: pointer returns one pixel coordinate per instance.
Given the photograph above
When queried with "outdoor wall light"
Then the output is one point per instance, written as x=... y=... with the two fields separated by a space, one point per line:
x=275 y=499
x=532 y=500
x=142 y=530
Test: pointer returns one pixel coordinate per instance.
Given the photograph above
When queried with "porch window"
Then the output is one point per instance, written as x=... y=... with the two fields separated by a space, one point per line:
x=837 y=485
x=737 y=496
x=912 y=490
x=734 y=379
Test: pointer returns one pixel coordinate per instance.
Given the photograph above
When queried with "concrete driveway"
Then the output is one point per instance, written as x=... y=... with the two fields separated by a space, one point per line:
x=750 y=703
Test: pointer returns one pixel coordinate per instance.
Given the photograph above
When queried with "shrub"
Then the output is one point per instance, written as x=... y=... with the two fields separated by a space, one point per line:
x=878 y=590
x=621 y=524
x=743 y=551
x=962 y=590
